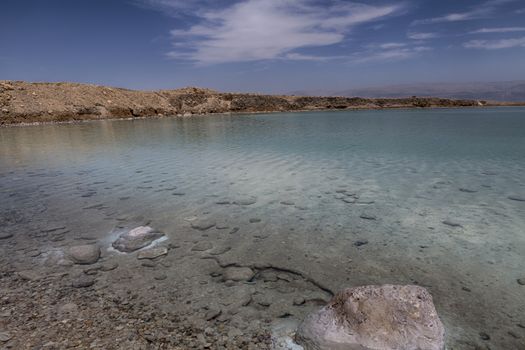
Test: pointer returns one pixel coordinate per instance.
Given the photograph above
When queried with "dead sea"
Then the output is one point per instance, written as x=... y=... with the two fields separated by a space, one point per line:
x=263 y=218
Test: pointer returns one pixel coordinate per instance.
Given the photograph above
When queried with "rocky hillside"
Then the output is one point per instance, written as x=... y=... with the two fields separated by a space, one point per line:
x=23 y=102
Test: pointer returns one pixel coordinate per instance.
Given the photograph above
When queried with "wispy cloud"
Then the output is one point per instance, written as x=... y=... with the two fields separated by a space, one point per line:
x=495 y=44
x=254 y=30
x=387 y=53
x=422 y=36
x=498 y=30
x=483 y=10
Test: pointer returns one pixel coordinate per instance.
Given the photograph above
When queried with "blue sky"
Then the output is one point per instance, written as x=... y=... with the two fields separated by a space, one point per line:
x=261 y=45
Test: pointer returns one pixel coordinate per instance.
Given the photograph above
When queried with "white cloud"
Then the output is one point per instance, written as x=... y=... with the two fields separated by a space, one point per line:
x=422 y=36
x=482 y=10
x=388 y=54
x=495 y=44
x=498 y=30
x=270 y=29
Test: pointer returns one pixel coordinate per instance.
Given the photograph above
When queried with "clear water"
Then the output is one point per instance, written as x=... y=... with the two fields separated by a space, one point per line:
x=410 y=169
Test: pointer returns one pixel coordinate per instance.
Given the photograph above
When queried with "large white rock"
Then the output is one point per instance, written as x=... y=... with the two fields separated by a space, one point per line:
x=137 y=238
x=387 y=317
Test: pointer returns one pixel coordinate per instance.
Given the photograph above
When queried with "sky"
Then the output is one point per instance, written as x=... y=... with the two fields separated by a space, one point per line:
x=271 y=46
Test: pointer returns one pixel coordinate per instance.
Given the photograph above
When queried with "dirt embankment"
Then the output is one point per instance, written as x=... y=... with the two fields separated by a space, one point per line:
x=23 y=102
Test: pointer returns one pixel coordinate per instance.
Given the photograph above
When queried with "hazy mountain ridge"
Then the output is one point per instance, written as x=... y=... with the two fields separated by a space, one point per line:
x=509 y=91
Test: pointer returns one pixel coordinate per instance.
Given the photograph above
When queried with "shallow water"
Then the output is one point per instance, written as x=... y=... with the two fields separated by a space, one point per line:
x=348 y=197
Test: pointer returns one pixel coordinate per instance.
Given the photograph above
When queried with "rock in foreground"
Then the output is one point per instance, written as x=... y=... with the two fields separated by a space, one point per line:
x=137 y=238
x=387 y=317
x=84 y=254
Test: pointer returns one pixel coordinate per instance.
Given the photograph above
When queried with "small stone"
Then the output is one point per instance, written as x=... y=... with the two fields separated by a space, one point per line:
x=367 y=217
x=202 y=246
x=5 y=337
x=222 y=202
x=83 y=281
x=299 y=301
x=238 y=274
x=517 y=198
x=203 y=225
x=84 y=254
x=484 y=336
x=222 y=226
x=5 y=235
x=28 y=275
x=152 y=253
x=254 y=220
x=160 y=277
x=287 y=202
x=212 y=313
x=521 y=281
x=360 y=242
x=451 y=223
x=245 y=201
x=108 y=266
x=467 y=190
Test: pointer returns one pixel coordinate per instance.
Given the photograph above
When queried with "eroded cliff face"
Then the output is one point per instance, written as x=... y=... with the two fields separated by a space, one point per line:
x=23 y=102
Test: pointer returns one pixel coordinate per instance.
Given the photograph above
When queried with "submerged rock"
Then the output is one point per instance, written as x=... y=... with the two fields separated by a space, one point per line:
x=203 y=224
x=86 y=254
x=5 y=235
x=83 y=281
x=238 y=274
x=152 y=253
x=136 y=238
x=451 y=223
x=517 y=198
x=387 y=317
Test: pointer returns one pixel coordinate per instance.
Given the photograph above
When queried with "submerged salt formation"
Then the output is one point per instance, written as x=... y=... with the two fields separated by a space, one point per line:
x=137 y=238
x=385 y=317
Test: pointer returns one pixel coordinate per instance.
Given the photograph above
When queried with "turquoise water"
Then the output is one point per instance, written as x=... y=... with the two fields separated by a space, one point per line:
x=321 y=181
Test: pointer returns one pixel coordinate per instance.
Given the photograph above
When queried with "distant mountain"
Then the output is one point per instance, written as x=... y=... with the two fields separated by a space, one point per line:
x=511 y=91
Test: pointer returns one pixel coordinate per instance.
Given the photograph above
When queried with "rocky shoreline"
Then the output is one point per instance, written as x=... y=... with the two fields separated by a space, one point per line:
x=26 y=103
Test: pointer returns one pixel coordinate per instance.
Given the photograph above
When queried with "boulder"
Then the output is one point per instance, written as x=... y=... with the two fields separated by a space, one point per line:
x=86 y=254
x=387 y=317
x=137 y=238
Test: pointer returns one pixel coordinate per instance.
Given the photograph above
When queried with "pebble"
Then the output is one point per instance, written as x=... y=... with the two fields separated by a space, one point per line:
x=360 y=243
x=484 y=336
x=83 y=281
x=245 y=201
x=202 y=246
x=298 y=301
x=287 y=202
x=160 y=277
x=5 y=235
x=28 y=275
x=238 y=274
x=451 y=223
x=86 y=254
x=521 y=281
x=152 y=253
x=467 y=190
x=108 y=266
x=517 y=198
x=5 y=337
x=367 y=217
x=203 y=225
x=255 y=220
x=212 y=313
